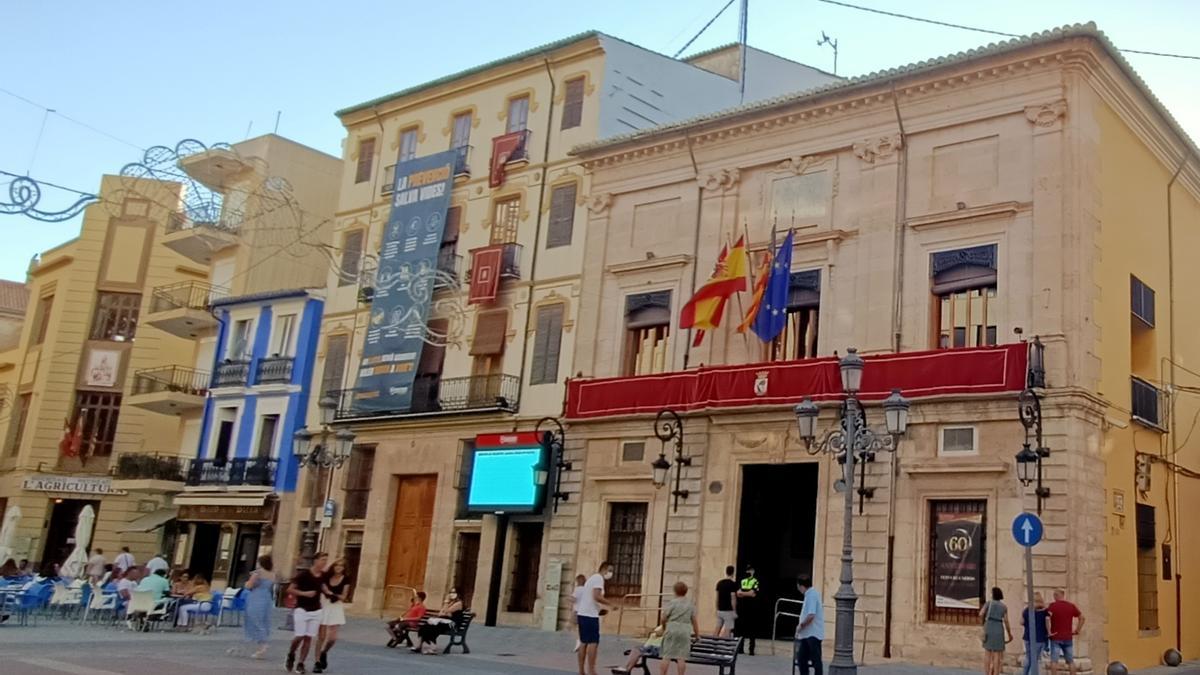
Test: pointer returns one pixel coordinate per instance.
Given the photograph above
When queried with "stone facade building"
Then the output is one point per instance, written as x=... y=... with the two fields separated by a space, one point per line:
x=944 y=214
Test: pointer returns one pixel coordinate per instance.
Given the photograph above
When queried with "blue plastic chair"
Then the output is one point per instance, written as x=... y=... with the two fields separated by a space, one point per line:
x=30 y=601
x=213 y=616
x=235 y=605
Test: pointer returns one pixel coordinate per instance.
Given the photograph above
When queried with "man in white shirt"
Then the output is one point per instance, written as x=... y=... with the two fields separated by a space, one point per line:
x=124 y=561
x=811 y=629
x=95 y=565
x=157 y=563
x=588 y=610
x=128 y=583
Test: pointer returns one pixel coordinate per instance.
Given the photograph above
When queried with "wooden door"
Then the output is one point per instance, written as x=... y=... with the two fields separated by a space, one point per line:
x=409 y=548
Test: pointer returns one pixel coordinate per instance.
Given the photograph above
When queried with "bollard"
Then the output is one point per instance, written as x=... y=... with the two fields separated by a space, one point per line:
x=1116 y=668
x=1172 y=658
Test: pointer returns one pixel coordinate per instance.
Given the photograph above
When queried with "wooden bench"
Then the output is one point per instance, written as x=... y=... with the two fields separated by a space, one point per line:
x=458 y=633
x=721 y=652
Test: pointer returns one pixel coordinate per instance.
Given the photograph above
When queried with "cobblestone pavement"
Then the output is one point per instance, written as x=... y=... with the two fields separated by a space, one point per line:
x=57 y=647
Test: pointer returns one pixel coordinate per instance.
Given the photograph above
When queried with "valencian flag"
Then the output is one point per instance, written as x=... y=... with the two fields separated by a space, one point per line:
x=760 y=289
x=771 y=316
x=706 y=307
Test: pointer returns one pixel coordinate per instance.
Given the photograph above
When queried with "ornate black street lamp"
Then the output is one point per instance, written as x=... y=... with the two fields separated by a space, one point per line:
x=554 y=439
x=317 y=458
x=668 y=427
x=852 y=441
x=1029 y=408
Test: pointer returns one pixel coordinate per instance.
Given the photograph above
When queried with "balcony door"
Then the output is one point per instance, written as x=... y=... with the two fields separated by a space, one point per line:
x=409 y=547
x=224 y=440
x=266 y=436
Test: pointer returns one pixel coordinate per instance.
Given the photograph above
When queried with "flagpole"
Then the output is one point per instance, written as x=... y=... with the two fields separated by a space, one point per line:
x=750 y=271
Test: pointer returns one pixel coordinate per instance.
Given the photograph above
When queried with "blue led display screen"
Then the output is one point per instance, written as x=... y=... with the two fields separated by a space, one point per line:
x=503 y=480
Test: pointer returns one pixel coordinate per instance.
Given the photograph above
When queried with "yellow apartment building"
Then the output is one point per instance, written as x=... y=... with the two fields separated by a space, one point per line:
x=497 y=326
x=256 y=219
x=944 y=215
x=73 y=371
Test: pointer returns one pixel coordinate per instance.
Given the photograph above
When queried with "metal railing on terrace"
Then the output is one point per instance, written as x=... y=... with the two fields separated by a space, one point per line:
x=185 y=295
x=233 y=471
x=434 y=395
x=274 y=370
x=139 y=466
x=171 y=378
x=178 y=222
x=232 y=373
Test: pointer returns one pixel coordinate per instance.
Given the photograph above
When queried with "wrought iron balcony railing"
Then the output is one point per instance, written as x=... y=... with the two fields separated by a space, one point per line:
x=274 y=370
x=231 y=373
x=170 y=378
x=462 y=161
x=449 y=262
x=432 y=395
x=510 y=263
x=178 y=222
x=234 y=471
x=521 y=153
x=138 y=466
x=185 y=294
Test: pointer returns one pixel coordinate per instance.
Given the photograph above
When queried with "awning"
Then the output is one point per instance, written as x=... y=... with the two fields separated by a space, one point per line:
x=220 y=500
x=150 y=521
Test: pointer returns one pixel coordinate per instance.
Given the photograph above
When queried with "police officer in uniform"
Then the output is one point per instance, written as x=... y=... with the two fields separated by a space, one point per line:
x=747 y=609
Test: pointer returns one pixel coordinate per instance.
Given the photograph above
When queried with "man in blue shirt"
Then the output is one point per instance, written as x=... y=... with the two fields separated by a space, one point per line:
x=811 y=629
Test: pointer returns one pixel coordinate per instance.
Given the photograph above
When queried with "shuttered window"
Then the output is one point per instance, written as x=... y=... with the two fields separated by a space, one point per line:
x=366 y=158
x=358 y=481
x=562 y=216
x=546 y=345
x=573 y=107
x=408 y=144
x=507 y=217
x=432 y=355
x=462 y=131
x=1141 y=300
x=335 y=363
x=352 y=249
x=490 y=328
x=453 y=223
x=518 y=114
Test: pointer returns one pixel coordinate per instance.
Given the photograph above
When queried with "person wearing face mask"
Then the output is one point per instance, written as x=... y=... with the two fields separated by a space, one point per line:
x=440 y=623
x=591 y=605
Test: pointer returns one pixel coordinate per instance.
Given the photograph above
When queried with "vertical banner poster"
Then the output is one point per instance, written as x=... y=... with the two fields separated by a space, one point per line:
x=404 y=283
x=958 y=559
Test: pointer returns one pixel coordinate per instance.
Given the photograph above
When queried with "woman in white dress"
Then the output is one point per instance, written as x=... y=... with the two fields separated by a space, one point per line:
x=335 y=588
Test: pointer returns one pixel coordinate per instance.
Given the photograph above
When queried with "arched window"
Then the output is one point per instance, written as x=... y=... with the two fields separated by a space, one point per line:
x=647 y=326
x=966 y=302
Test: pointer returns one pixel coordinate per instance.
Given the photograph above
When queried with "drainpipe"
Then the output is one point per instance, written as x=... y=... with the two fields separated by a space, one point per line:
x=537 y=231
x=687 y=349
x=1174 y=487
x=897 y=316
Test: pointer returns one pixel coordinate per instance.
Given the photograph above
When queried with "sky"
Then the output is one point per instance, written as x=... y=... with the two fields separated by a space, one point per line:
x=142 y=73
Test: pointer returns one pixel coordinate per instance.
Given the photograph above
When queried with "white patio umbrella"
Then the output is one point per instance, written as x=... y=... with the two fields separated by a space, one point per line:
x=8 y=532
x=76 y=563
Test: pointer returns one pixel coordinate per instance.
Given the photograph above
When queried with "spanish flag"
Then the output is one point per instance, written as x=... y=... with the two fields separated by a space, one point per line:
x=707 y=306
x=760 y=289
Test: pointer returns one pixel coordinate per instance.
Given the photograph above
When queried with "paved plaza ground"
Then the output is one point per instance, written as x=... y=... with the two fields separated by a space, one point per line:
x=57 y=647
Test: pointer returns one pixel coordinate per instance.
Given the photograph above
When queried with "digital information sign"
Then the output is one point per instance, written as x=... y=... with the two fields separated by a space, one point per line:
x=504 y=474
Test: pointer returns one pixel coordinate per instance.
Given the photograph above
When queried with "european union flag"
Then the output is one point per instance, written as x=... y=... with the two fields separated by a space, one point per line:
x=772 y=313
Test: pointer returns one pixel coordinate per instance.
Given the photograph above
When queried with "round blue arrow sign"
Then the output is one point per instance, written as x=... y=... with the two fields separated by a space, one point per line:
x=1027 y=529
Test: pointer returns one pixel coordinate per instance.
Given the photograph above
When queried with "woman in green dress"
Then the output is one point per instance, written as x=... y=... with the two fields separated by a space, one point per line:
x=679 y=616
x=994 y=615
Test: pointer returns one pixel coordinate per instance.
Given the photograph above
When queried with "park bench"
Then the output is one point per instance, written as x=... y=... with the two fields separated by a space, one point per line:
x=458 y=633
x=709 y=651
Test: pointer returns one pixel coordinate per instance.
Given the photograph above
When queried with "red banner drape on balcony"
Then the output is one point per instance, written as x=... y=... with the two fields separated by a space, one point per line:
x=503 y=148
x=485 y=273
x=983 y=370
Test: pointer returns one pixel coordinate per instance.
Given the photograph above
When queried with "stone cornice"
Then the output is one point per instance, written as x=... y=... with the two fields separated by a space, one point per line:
x=650 y=263
x=973 y=213
x=1129 y=97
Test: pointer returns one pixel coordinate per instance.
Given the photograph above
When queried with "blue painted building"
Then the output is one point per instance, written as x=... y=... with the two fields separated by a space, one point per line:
x=263 y=364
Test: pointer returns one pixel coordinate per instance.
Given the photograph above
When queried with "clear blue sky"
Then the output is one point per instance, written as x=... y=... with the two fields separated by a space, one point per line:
x=152 y=73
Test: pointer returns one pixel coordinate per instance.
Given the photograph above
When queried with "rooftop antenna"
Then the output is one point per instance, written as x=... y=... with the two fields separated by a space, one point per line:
x=826 y=40
x=248 y=128
x=742 y=20
x=279 y=113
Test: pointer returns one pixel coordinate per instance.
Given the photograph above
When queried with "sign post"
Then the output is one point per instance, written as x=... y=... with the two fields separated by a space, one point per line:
x=1027 y=531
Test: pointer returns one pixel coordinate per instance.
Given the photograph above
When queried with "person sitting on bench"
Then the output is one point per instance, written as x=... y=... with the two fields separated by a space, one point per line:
x=649 y=648
x=441 y=623
x=411 y=619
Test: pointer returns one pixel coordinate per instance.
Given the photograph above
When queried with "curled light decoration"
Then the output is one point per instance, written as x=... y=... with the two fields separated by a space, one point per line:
x=227 y=209
x=24 y=195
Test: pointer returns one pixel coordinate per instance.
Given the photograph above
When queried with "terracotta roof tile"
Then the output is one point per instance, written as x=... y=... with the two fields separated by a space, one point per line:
x=14 y=296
